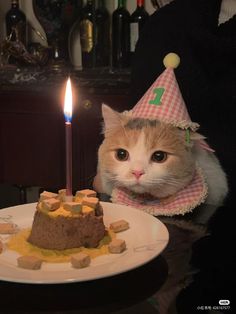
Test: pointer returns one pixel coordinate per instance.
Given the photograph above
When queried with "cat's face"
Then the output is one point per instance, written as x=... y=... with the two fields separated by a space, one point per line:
x=145 y=156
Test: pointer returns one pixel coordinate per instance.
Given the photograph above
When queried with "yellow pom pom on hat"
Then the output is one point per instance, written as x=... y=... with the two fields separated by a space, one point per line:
x=171 y=60
x=163 y=100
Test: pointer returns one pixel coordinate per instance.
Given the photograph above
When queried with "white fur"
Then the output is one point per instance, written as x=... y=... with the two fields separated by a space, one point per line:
x=214 y=175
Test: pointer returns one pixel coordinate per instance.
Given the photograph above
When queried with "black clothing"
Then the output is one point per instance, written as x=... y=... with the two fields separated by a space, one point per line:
x=207 y=80
x=207 y=71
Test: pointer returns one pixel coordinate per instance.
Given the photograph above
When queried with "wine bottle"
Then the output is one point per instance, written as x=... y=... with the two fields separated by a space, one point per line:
x=137 y=20
x=16 y=26
x=75 y=42
x=121 y=36
x=102 y=19
x=87 y=34
x=69 y=13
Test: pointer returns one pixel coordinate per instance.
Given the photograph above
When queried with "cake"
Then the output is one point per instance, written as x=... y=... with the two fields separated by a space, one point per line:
x=59 y=224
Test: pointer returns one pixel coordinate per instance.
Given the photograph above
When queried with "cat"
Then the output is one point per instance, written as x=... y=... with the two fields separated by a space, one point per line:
x=151 y=157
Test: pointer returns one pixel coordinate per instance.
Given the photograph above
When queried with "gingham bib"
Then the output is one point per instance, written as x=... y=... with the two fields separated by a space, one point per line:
x=182 y=202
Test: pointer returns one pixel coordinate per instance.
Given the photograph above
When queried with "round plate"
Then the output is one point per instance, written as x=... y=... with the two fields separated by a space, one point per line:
x=146 y=238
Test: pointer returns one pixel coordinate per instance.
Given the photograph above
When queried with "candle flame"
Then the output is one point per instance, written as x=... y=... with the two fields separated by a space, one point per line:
x=68 y=102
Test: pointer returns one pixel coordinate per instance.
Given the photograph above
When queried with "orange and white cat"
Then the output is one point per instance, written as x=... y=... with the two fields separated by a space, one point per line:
x=149 y=156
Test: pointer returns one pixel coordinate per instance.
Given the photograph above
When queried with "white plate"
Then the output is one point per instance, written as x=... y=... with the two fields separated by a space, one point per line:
x=146 y=239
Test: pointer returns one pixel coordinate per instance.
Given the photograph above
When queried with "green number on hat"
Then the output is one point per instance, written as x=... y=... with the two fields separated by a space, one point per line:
x=157 y=100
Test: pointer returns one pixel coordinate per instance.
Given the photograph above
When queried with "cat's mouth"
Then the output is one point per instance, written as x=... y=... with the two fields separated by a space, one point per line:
x=137 y=187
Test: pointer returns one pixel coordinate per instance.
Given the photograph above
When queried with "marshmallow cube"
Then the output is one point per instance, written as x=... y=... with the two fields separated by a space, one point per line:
x=7 y=228
x=86 y=192
x=51 y=204
x=117 y=246
x=119 y=225
x=90 y=201
x=29 y=262
x=72 y=206
x=80 y=260
x=46 y=195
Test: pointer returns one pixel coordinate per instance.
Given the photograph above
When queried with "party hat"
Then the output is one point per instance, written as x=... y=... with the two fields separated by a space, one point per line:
x=163 y=100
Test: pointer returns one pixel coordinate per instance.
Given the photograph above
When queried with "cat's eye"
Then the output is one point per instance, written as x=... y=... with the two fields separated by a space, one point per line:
x=159 y=156
x=122 y=154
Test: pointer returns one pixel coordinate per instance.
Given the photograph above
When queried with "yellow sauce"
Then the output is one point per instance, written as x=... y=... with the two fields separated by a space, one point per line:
x=18 y=242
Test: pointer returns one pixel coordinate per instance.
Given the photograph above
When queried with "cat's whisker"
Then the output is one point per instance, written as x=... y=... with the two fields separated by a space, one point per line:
x=162 y=180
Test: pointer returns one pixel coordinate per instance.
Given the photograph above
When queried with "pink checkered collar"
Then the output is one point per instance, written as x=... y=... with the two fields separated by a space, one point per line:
x=182 y=202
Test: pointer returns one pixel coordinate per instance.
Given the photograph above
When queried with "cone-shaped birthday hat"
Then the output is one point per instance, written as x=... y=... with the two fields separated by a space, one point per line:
x=163 y=100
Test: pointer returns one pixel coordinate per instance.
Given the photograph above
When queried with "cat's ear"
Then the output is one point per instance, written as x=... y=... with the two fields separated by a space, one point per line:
x=112 y=119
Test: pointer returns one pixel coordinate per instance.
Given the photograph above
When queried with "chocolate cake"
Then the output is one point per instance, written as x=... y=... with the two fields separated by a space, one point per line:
x=60 y=225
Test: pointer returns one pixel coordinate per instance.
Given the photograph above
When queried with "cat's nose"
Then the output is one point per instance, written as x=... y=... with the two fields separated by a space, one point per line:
x=137 y=173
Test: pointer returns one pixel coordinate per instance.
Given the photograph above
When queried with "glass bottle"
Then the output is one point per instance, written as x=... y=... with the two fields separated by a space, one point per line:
x=16 y=26
x=56 y=18
x=137 y=20
x=121 y=36
x=87 y=34
x=102 y=20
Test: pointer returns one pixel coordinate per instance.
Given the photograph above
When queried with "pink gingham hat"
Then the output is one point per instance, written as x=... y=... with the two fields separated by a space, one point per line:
x=163 y=100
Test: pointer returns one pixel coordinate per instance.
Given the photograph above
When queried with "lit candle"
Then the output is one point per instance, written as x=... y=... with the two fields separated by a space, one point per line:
x=68 y=132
